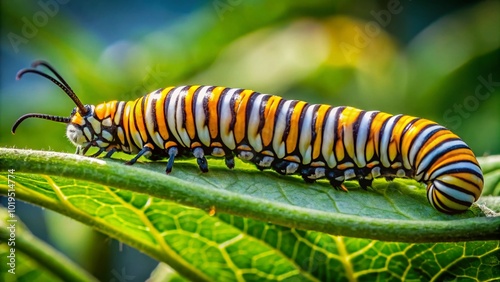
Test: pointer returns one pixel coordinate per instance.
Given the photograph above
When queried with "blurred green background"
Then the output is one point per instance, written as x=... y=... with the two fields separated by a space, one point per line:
x=439 y=60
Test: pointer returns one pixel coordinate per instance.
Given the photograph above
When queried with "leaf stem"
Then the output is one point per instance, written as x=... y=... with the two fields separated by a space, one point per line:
x=156 y=184
x=42 y=253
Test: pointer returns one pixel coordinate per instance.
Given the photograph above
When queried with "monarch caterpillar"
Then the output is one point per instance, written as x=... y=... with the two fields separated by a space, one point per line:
x=289 y=136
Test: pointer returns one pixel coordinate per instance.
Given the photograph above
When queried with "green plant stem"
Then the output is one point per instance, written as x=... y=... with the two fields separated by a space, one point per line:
x=158 y=185
x=45 y=255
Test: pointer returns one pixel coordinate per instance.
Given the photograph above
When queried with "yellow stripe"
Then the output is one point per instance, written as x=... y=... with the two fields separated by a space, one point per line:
x=111 y=109
x=269 y=117
x=397 y=132
x=213 y=118
x=188 y=109
x=370 y=145
x=77 y=119
x=101 y=110
x=140 y=118
x=126 y=120
x=321 y=115
x=293 y=135
x=240 y=109
x=411 y=134
x=375 y=129
x=160 y=114
x=347 y=119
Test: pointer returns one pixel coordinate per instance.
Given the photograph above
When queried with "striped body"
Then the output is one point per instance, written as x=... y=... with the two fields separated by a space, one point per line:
x=291 y=137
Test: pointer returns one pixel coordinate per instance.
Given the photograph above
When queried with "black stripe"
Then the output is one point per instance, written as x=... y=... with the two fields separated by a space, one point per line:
x=153 y=113
x=454 y=187
x=182 y=100
x=412 y=143
x=262 y=110
x=314 y=134
x=208 y=93
x=338 y=132
x=347 y=158
x=135 y=124
x=153 y=109
x=441 y=146
x=438 y=207
x=143 y=120
x=232 y=102
x=460 y=170
x=193 y=110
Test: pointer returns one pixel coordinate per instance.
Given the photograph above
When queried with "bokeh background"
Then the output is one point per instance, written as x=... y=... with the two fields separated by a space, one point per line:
x=435 y=60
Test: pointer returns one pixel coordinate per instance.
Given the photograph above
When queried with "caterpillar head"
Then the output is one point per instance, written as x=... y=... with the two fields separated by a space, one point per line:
x=85 y=126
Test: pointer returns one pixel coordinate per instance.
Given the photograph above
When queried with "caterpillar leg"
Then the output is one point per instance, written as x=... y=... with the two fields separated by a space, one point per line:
x=200 y=158
x=365 y=183
x=312 y=173
x=285 y=167
x=98 y=153
x=338 y=185
x=307 y=179
x=336 y=181
x=145 y=151
x=84 y=151
x=229 y=160
x=263 y=162
x=172 y=152
x=110 y=152
x=389 y=178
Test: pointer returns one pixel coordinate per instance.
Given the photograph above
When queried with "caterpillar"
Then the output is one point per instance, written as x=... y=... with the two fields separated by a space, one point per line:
x=292 y=137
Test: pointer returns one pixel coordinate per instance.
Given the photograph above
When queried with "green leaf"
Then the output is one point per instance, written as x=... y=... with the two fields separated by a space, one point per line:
x=148 y=212
x=491 y=170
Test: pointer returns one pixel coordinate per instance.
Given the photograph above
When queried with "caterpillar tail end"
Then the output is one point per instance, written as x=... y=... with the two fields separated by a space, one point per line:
x=450 y=194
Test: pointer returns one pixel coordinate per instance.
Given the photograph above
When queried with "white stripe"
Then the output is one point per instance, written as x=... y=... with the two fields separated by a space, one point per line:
x=136 y=136
x=362 y=137
x=305 y=135
x=179 y=117
x=118 y=113
x=254 y=137
x=328 y=138
x=419 y=142
x=200 y=120
x=150 y=118
x=385 y=141
x=170 y=112
x=279 y=145
x=436 y=151
x=458 y=166
x=453 y=192
x=226 y=114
